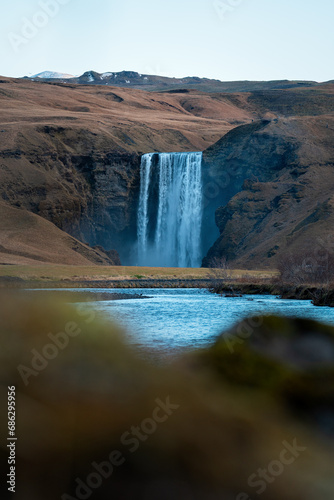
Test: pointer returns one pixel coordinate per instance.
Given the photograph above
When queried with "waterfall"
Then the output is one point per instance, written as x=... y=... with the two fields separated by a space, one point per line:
x=145 y=171
x=170 y=210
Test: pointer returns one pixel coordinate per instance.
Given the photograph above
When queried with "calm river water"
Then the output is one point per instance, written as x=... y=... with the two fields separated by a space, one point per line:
x=173 y=320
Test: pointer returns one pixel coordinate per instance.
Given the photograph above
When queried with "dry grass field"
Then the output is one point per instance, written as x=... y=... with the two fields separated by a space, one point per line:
x=91 y=273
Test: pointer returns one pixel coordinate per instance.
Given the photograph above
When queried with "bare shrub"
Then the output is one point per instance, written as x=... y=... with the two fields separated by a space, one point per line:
x=219 y=274
x=306 y=268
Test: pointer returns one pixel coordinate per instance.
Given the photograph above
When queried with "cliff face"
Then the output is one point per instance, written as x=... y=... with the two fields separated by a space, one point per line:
x=247 y=152
x=277 y=195
x=71 y=154
x=26 y=238
x=114 y=180
x=92 y=196
x=88 y=193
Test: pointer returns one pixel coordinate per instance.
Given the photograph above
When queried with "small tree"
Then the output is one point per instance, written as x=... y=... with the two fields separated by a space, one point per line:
x=293 y=270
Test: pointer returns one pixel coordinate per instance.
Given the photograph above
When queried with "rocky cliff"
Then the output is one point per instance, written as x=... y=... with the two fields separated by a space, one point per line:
x=274 y=183
x=84 y=190
x=71 y=154
x=26 y=238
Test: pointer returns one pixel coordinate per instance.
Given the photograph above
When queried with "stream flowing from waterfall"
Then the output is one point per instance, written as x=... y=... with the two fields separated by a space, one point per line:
x=170 y=210
x=172 y=321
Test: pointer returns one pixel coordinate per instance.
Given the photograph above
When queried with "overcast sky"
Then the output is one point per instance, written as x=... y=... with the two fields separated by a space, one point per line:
x=223 y=39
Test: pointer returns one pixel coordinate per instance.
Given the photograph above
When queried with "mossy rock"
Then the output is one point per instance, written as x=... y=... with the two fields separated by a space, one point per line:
x=291 y=359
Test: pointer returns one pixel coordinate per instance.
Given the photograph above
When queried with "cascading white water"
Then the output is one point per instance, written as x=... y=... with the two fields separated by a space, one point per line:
x=145 y=171
x=170 y=210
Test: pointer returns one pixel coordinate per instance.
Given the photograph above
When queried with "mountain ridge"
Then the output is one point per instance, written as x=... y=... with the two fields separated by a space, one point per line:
x=133 y=79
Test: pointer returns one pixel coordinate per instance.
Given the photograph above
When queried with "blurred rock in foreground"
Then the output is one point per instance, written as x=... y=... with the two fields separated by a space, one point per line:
x=93 y=420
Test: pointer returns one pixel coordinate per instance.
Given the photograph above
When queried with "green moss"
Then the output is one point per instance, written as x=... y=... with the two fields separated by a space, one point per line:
x=245 y=367
x=253 y=362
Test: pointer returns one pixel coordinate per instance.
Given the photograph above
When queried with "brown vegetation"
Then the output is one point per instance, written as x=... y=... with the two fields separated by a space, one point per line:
x=308 y=275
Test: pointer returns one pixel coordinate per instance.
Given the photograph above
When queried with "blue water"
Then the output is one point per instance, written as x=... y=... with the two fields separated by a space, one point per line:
x=174 y=320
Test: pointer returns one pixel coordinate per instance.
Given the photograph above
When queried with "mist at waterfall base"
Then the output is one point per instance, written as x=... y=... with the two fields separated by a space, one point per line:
x=170 y=210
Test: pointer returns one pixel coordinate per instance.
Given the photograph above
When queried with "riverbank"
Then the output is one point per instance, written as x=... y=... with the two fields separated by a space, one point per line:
x=318 y=294
x=238 y=281
x=263 y=288
x=53 y=276
x=77 y=296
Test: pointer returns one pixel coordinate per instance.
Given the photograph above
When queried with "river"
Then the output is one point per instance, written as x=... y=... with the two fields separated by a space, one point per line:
x=174 y=320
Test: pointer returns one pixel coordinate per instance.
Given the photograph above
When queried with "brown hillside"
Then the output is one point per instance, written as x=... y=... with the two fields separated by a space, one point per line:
x=124 y=119
x=26 y=238
x=280 y=198
x=71 y=154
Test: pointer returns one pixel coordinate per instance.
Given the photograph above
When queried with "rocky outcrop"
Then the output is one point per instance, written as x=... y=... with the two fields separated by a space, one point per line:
x=108 y=216
x=289 y=358
x=90 y=196
x=77 y=181
x=227 y=164
x=115 y=188
x=276 y=192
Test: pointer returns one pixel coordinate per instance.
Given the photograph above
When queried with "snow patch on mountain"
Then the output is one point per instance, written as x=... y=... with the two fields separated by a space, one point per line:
x=52 y=74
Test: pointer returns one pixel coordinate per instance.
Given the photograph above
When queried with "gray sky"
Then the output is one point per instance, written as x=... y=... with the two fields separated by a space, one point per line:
x=223 y=39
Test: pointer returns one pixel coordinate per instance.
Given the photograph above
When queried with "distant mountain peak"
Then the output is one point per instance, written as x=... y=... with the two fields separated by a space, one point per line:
x=52 y=74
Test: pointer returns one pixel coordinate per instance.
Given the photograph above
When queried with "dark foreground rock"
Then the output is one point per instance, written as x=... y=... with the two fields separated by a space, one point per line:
x=289 y=359
x=94 y=420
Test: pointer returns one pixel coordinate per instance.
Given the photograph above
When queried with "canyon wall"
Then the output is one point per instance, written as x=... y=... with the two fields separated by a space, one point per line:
x=71 y=154
x=274 y=185
x=89 y=193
